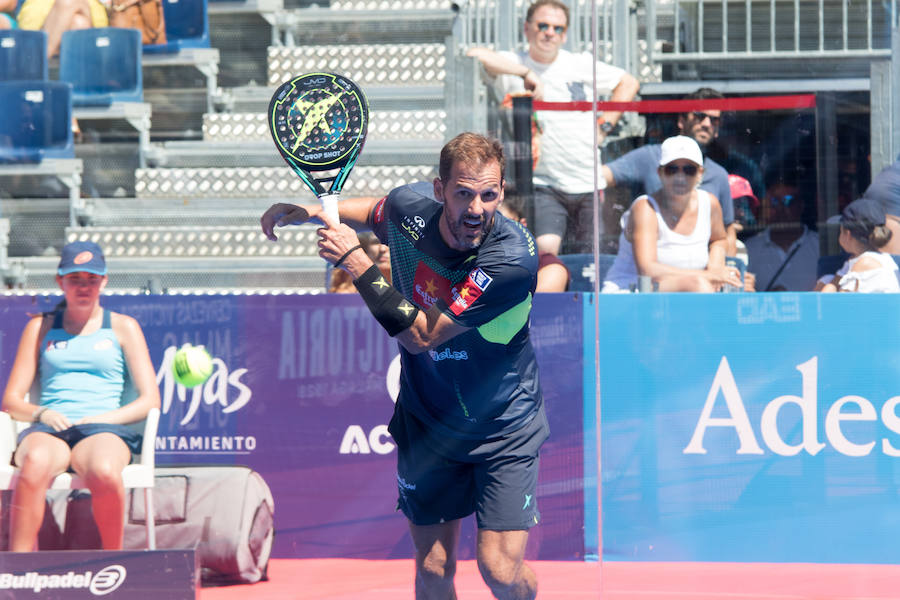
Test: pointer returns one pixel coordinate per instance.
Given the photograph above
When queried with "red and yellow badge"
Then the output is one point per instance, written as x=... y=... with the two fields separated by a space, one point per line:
x=471 y=289
x=428 y=286
x=83 y=257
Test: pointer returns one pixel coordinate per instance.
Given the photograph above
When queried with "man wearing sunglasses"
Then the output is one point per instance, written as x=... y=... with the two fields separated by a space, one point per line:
x=785 y=254
x=640 y=165
x=564 y=173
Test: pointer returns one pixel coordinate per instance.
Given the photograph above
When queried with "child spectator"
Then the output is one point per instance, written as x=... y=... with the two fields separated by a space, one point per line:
x=863 y=235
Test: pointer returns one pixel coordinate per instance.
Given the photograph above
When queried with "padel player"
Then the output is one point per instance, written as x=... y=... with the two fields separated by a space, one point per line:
x=469 y=421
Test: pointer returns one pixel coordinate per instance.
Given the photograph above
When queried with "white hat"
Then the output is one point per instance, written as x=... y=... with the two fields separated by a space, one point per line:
x=681 y=146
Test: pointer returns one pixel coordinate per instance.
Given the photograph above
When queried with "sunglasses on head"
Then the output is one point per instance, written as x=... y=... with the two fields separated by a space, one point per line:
x=702 y=116
x=545 y=27
x=689 y=170
x=784 y=201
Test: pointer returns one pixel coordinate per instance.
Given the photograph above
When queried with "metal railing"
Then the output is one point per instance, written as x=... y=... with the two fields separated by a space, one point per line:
x=671 y=31
x=767 y=29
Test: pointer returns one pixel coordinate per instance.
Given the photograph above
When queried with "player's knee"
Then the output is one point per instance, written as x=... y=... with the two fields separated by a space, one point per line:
x=498 y=570
x=436 y=570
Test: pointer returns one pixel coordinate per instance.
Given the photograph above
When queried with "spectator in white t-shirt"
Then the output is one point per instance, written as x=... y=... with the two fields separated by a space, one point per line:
x=564 y=172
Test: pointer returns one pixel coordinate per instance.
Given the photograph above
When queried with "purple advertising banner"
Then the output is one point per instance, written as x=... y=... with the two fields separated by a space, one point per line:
x=73 y=575
x=302 y=391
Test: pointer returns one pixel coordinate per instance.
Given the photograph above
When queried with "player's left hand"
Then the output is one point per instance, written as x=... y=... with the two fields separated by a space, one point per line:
x=281 y=214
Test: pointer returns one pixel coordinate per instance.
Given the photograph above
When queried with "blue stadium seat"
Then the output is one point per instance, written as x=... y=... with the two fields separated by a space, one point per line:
x=23 y=55
x=103 y=65
x=36 y=121
x=187 y=26
x=581 y=267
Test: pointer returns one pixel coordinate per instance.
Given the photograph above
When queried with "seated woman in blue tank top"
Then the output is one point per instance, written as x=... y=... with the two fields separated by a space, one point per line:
x=82 y=356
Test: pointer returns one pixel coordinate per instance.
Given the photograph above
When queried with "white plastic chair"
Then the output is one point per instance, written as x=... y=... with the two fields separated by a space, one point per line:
x=139 y=474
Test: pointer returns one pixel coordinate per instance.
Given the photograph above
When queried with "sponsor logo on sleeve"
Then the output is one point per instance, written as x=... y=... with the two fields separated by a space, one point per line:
x=474 y=285
x=379 y=211
x=413 y=227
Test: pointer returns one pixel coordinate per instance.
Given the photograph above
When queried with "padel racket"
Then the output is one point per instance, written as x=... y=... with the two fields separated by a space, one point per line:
x=319 y=123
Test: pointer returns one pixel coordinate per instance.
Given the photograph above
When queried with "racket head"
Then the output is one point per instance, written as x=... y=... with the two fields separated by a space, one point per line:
x=318 y=121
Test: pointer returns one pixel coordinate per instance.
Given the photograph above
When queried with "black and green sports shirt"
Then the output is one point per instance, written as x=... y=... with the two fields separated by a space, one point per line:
x=484 y=382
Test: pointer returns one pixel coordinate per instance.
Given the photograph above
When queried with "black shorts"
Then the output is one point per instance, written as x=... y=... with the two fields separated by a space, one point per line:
x=495 y=479
x=76 y=433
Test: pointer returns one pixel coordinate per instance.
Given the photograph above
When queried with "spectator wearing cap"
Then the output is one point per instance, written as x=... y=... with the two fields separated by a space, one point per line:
x=863 y=235
x=674 y=235
x=80 y=355
x=885 y=189
x=746 y=204
x=639 y=165
x=785 y=254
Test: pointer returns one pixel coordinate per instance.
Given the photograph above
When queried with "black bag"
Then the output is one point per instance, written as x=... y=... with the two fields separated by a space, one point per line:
x=225 y=512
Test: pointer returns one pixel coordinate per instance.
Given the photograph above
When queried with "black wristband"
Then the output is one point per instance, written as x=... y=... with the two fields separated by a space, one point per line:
x=394 y=312
x=346 y=254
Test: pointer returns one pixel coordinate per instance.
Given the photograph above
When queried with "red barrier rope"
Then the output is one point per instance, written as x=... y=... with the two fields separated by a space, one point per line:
x=683 y=106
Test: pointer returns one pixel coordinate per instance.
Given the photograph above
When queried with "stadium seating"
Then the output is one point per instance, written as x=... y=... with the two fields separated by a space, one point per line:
x=23 y=55
x=581 y=270
x=103 y=65
x=187 y=26
x=138 y=475
x=35 y=122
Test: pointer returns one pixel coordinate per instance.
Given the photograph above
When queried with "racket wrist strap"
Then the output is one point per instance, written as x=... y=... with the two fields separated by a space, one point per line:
x=392 y=311
x=341 y=260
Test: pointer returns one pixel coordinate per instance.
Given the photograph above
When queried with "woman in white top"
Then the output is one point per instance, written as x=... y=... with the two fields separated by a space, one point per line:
x=675 y=235
x=863 y=234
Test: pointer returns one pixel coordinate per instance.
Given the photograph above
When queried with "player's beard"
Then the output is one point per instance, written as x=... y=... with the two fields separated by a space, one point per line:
x=466 y=237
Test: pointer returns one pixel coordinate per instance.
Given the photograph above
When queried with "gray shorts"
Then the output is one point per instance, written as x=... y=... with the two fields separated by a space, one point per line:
x=559 y=213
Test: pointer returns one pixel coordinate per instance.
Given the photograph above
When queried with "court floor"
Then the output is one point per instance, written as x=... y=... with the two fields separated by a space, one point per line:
x=338 y=579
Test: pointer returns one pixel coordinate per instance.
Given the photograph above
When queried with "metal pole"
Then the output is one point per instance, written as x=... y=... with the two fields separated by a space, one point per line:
x=522 y=160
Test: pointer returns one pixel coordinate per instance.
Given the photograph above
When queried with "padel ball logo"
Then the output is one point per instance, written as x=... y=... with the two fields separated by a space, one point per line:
x=101 y=583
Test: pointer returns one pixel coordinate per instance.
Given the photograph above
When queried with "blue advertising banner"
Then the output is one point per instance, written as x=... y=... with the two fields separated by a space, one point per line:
x=302 y=391
x=751 y=427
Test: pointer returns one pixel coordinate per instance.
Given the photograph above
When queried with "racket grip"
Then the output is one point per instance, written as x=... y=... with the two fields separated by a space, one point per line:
x=330 y=206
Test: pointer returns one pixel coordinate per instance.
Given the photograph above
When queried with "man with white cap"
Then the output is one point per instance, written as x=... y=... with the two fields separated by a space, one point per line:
x=675 y=235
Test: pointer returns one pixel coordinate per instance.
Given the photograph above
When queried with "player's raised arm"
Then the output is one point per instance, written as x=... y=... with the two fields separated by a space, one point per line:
x=354 y=212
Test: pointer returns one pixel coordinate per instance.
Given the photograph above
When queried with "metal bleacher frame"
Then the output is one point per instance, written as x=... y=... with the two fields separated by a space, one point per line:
x=205 y=60
x=270 y=10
